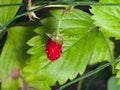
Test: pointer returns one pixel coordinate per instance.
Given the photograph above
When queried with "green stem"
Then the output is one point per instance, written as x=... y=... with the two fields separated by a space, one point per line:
x=58 y=27
x=11 y=5
x=79 y=85
x=59 y=24
x=57 y=3
x=90 y=73
x=67 y=10
x=83 y=3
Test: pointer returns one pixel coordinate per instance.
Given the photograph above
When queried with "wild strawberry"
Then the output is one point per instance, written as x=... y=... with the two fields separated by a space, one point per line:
x=53 y=49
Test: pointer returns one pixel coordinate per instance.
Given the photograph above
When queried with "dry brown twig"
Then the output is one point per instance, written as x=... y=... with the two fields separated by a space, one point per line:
x=31 y=15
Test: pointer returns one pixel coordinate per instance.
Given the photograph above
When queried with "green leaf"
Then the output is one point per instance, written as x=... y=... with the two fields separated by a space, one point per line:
x=43 y=85
x=112 y=84
x=14 y=54
x=82 y=46
x=107 y=18
x=7 y=13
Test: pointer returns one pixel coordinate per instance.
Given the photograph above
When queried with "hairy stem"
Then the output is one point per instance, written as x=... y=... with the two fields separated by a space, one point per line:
x=60 y=20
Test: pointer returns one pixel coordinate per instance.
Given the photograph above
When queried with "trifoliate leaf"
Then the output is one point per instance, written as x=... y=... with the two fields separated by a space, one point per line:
x=14 y=55
x=107 y=18
x=84 y=44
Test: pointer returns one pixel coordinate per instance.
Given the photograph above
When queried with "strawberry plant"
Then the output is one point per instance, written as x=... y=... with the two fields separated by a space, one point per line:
x=53 y=43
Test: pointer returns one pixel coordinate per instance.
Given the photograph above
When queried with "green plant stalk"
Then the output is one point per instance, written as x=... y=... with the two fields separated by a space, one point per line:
x=11 y=5
x=83 y=3
x=67 y=10
x=58 y=27
x=57 y=3
x=79 y=85
x=90 y=73
x=59 y=24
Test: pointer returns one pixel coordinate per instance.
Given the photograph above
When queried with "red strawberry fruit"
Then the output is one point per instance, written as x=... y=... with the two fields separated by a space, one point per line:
x=53 y=49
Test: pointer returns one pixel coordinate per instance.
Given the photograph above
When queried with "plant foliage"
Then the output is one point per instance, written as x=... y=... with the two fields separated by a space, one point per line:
x=86 y=42
x=82 y=46
x=107 y=18
x=14 y=54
